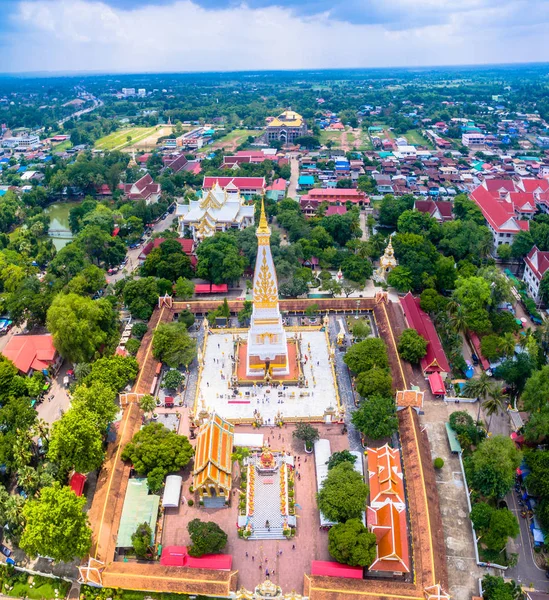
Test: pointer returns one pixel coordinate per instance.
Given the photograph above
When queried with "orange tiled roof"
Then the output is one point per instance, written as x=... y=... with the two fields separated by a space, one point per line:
x=388 y=523
x=214 y=446
x=413 y=398
x=31 y=351
x=385 y=477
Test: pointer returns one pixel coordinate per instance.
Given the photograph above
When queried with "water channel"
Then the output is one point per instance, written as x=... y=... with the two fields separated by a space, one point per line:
x=60 y=232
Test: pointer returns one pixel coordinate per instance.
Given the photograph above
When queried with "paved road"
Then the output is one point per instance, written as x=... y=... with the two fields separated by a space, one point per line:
x=364 y=226
x=294 y=166
x=133 y=254
x=96 y=103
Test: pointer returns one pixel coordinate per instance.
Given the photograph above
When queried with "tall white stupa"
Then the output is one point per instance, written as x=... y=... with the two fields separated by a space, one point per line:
x=267 y=349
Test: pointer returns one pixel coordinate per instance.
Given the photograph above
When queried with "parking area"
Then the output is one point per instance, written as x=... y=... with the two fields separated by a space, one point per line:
x=51 y=410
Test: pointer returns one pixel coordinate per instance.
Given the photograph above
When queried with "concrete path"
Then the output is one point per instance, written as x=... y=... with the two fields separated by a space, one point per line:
x=294 y=166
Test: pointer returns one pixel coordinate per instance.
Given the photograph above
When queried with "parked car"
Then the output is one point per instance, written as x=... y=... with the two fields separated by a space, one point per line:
x=5 y=550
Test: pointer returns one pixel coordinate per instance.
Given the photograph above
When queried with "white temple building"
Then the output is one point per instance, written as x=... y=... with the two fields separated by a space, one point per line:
x=267 y=350
x=218 y=210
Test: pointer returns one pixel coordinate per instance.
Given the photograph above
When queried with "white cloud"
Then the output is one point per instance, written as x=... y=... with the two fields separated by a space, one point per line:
x=86 y=35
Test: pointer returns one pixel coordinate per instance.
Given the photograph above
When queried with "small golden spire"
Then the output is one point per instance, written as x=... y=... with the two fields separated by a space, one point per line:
x=263 y=224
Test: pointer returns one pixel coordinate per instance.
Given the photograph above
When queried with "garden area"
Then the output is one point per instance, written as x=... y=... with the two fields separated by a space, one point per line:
x=22 y=585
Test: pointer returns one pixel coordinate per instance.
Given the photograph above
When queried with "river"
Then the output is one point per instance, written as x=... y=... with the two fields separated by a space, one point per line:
x=60 y=232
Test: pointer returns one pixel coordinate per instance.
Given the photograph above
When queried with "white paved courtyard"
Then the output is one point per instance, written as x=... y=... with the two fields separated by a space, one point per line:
x=292 y=401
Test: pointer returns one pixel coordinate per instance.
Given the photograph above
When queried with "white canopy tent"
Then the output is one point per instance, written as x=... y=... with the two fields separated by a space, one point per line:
x=248 y=440
x=172 y=491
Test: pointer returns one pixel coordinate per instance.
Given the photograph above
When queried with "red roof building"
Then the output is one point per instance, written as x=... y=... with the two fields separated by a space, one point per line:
x=475 y=341
x=435 y=359
x=536 y=264
x=439 y=210
x=247 y=186
x=31 y=353
x=385 y=477
x=143 y=189
x=187 y=245
x=337 y=196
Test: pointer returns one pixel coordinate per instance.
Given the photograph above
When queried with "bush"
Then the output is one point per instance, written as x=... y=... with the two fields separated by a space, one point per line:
x=139 y=330
x=206 y=537
x=190 y=502
x=132 y=346
x=438 y=462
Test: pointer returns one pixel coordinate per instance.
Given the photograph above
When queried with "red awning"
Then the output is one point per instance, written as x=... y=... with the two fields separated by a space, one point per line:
x=217 y=562
x=476 y=345
x=77 y=482
x=334 y=569
x=219 y=289
x=173 y=556
x=202 y=288
x=168 y=401
x=437 y=384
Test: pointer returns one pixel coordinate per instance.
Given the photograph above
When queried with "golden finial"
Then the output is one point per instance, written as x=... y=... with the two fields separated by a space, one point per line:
x=263 y=225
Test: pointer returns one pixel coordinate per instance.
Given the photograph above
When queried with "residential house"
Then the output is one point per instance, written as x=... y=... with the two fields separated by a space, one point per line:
x=438 y=209
x=245 y=186
x=187 y=245
x=31 y=353
x=536 y=264
x=143 y=189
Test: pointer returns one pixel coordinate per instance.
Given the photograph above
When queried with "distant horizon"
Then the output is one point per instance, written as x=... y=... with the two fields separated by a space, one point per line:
x=102 y=73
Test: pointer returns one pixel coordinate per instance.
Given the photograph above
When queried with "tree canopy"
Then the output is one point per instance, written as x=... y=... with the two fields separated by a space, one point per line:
x=56 y=525
x=367 y=354
x=155 y=451
x=343 y=494
x=352 y=544
x=411 y=346
x=376 y=417
x=173 y=345
x=206 y=537
x=219 y=259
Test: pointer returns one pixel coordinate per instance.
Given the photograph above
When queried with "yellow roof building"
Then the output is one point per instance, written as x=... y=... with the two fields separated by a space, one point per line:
x=288 y=118
x=212 y=463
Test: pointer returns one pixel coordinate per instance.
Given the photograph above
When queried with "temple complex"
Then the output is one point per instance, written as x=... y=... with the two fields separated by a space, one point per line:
x=219 y=209
x=386 y=264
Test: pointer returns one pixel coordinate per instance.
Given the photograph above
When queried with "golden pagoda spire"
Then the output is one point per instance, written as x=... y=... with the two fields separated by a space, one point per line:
x=263 y=228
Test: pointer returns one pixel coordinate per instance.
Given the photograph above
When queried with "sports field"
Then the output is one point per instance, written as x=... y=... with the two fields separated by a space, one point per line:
x=415 y=138
x=119 y=139
x=234 y=139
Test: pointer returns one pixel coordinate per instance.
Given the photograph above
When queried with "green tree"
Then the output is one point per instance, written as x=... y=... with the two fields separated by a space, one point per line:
x=491 y=347
x=343 y=494
x=503 y=525
x=504 y=251
x=375 y=382
x=544 y=288
x=361 y=329
x=173 y=345
x=113 y=371
x=139 y=330
x=493 y=466
x=206 y=537
x=338 y=457
x=81 y=326
x=522 y=244
x=98 y=398
x=411 y=346
x=219 y=259
x=495 y=588
x=147 y=403
x=401 y=279
x=172 y=380
x=351 y=543
x=56 y=525
x=141 y=296
x=481 y=515
x=76 y=441
x=376 y=417
x=367 y=354
x=142 y=540
x=155 y=451
x=307 y=434
x=356 y=268
x=184 y=288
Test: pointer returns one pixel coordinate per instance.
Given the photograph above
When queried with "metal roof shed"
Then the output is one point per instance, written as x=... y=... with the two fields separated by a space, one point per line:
x=455 y=446
x=139 y=507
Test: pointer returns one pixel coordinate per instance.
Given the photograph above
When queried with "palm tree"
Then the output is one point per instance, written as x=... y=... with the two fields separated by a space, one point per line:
x=508 y=343
x=28 y=480
x=479 y=388
x=457 y=317
x=147 y=403
x=494 y=403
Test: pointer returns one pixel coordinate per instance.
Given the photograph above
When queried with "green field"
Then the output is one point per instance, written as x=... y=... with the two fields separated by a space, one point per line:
x=236 y=137
x=119 y=139
x=365 y=141
x=416 y=139
x=62 y=147
x=330 y=136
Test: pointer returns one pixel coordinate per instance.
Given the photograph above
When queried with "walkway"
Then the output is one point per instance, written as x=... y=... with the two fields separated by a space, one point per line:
x=267 y=503
x=292 y=188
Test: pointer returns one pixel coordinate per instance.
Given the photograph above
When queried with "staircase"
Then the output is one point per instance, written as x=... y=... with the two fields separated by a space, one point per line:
x=218 y=502
x=262 y=533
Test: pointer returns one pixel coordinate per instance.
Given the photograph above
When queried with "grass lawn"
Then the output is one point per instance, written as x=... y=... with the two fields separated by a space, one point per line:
x=119 y=139
x=365 y=141
x=416 y=139
x=237 y=135
x=39 y=592
x=61 y=147
x=331 y=136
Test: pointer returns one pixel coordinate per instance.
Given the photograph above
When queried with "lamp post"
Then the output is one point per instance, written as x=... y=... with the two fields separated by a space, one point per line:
x=357 y=307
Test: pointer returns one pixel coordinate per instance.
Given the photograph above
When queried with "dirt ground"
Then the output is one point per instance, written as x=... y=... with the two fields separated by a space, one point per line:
x=310 y=542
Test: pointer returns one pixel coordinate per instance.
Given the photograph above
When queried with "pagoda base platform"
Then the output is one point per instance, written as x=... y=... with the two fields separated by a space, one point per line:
x=293 y=376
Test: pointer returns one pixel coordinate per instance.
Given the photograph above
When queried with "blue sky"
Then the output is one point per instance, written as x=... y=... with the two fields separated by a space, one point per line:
x=194 y=35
